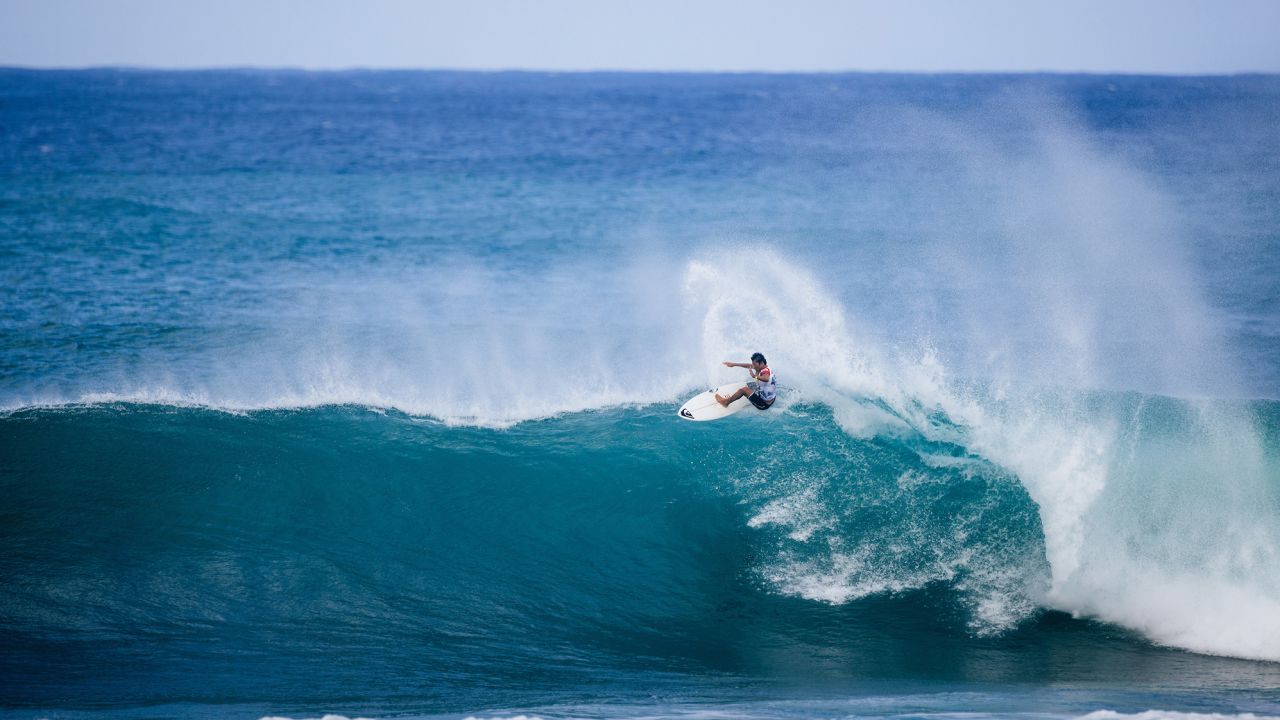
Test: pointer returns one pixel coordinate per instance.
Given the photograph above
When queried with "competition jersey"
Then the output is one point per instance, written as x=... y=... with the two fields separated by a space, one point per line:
x=767 y=389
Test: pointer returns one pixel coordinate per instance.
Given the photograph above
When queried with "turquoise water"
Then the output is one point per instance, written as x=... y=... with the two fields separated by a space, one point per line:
x=355 y=393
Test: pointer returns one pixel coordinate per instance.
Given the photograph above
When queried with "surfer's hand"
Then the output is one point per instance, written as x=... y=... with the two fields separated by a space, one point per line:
x=728 y=364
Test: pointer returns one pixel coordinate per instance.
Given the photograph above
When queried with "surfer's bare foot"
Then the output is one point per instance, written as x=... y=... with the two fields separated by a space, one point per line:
x=723 y=401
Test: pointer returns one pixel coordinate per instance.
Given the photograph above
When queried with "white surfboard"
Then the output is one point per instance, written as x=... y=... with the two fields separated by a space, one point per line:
x=704 y=406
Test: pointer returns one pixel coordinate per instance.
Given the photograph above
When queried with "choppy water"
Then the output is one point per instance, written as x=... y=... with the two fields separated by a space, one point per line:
x=355 y=393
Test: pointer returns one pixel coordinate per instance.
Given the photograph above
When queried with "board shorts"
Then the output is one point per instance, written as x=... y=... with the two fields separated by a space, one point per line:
x=759 y=402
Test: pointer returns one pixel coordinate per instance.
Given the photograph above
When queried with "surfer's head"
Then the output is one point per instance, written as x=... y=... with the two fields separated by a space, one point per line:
x=758 y=360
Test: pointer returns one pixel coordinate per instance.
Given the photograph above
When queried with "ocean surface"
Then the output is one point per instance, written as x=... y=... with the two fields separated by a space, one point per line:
x=354 y=393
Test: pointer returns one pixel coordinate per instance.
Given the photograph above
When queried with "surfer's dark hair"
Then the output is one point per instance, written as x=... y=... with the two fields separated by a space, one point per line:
x=759 y=358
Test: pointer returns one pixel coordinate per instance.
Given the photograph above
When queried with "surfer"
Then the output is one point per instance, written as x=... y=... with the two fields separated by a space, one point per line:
x=765 y=391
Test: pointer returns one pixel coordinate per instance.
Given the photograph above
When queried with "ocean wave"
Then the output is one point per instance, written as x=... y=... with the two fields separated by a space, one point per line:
x=1154 y=513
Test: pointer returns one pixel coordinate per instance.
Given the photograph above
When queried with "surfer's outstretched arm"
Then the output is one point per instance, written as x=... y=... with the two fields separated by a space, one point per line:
x=750 y=368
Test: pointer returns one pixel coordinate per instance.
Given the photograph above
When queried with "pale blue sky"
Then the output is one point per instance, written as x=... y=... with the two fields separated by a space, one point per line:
x=1141 y=36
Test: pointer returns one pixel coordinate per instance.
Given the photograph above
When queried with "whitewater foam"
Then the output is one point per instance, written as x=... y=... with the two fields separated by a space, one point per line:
x=1173 y=715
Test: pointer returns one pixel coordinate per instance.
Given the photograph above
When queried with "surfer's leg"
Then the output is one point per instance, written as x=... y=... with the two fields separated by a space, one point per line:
x=742 y=392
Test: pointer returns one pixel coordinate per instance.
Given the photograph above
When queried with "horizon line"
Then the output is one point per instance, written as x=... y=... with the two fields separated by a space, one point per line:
x=612 y=71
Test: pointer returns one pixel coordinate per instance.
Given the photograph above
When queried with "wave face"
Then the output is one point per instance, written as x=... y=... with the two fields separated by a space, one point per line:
x=356 y=392
x=282 y=556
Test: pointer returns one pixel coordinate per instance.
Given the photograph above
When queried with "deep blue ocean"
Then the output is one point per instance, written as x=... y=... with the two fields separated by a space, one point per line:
x=354 y=393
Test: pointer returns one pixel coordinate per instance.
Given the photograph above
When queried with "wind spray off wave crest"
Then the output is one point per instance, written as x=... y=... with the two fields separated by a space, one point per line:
x=465 y=344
